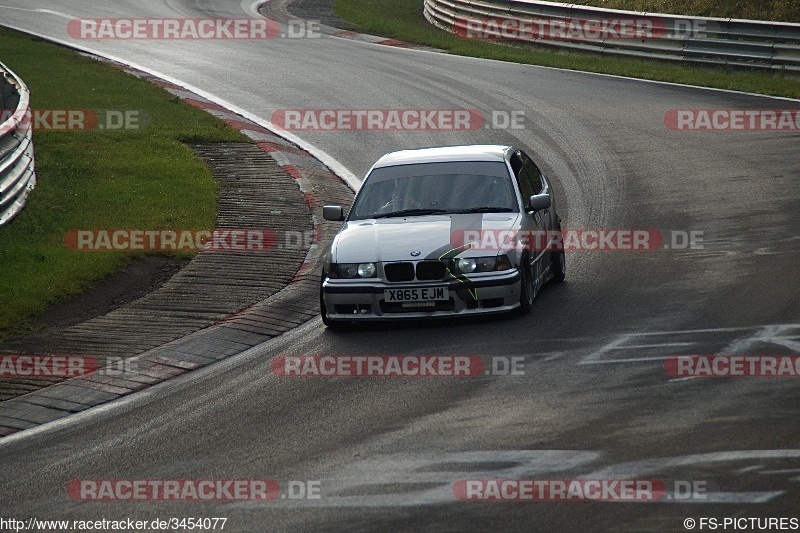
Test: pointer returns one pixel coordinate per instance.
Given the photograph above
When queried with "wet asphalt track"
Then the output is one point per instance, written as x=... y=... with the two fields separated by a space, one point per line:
x=594 y=401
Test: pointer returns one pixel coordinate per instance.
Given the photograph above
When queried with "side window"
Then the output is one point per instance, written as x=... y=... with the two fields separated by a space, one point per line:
x=533 y=172
x=516 y=162
x=526 y=185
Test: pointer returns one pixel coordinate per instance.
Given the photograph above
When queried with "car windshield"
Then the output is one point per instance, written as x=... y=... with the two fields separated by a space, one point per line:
x=435 y=188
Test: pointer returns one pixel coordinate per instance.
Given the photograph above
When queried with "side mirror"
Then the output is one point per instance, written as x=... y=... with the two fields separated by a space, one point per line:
x=540 y=201
x=333 y=212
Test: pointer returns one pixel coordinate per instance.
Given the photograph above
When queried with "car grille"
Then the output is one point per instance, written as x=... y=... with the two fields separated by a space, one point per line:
x=427 y=270
x=399 y=271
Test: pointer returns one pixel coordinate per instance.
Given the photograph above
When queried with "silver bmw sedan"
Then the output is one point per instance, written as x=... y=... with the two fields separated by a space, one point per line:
x=447 y=231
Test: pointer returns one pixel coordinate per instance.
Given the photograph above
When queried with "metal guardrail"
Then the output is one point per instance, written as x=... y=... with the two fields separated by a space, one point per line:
x=17 y=174
x=699 y=40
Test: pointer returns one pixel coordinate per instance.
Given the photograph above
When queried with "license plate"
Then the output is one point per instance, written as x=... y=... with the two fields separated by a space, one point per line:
x=419 y=294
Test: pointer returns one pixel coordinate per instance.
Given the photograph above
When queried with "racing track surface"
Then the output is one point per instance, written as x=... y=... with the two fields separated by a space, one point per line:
x=594 y=401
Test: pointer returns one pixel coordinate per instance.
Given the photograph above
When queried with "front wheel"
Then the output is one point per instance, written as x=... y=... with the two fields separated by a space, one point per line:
x=558 y=263
x=559 y=266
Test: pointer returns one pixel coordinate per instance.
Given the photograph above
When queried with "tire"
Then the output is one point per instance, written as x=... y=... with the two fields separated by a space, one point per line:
x=558 y=263
x=559 y=266
x=527 y=288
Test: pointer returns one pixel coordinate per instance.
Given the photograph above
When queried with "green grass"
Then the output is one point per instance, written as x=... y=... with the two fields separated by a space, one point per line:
x=144 y=178
x=403 y=19
x=779 y=10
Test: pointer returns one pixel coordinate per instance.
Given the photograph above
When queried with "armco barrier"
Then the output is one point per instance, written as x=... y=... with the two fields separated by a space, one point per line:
x=700 y=40
x=17 y=175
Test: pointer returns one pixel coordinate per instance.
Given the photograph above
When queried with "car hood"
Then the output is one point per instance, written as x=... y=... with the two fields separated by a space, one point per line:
x=427 y=237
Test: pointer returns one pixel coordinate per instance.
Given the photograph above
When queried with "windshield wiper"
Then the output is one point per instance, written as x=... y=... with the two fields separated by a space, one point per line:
x=406 y=212
x=485 y=209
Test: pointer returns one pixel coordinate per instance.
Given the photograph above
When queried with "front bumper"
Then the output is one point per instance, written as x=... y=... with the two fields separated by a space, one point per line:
x=363 y=299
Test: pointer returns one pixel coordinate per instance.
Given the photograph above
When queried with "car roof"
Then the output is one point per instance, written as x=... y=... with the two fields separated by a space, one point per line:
x=443 y=154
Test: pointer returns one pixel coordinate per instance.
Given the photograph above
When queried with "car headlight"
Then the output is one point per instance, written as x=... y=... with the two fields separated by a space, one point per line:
x=469 y=265
x=366 y=270
x=466 y=265
x=351 y=270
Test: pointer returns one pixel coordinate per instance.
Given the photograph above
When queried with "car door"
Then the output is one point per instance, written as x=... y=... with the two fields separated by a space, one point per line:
x=536 y=222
